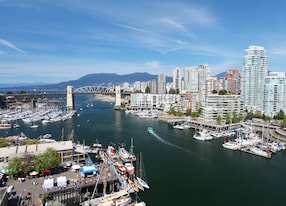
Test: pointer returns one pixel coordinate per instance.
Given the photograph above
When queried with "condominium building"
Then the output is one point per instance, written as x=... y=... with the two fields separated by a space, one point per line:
x=231 y=81
x=153 y=100
x=221 y=105
x=274 y=93
x=254 y=71
x=162 y=84
x=177 y=78
x=196 y=80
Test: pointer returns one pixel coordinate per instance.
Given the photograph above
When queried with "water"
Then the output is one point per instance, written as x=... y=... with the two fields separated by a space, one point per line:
x=179 y=169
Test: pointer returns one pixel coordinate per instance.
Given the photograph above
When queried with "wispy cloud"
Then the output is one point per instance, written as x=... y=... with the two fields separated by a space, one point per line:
x=10 y=45
x=154 y=64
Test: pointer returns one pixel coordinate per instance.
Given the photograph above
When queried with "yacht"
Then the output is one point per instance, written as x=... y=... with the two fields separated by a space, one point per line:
x=232 y=145
x=202 y=135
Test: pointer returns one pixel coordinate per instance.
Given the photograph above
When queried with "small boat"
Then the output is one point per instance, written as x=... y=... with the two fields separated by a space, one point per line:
x=150 y=129
x=232 y=145
x=34 y=125
x=142 y=182
x=202 y=135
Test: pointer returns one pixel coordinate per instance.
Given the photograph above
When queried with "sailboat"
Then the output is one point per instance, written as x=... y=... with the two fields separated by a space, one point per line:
x=140 y=177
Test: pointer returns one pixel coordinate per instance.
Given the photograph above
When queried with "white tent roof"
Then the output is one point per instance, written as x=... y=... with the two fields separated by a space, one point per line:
x=62 y=181
x=48 y=183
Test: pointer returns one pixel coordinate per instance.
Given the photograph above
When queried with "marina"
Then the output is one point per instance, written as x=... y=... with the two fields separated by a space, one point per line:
x=206 y=167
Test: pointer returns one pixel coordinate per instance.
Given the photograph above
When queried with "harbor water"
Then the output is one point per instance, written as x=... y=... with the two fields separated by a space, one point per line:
x=179 y=169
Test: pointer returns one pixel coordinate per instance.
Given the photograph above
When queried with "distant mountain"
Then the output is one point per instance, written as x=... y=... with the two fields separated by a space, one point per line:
x=21 y=84
x=103 y=79
x=221 y=75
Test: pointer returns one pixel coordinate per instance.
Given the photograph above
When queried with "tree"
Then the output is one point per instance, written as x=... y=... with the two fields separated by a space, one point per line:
x=227 y=119
x=222 y=92
x=28 y=162
x=48 y=160
x=147 y=90
x=188 y=112
x=234 y=117
x=172 y=91
x=283 y=122
x=214 y=91
x=14 y=166
x=218 y=119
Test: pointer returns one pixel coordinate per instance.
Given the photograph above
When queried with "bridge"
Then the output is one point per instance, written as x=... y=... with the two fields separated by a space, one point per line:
x=94 y=90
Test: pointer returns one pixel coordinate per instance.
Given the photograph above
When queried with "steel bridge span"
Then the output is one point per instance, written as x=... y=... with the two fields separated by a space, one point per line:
x=94 y=90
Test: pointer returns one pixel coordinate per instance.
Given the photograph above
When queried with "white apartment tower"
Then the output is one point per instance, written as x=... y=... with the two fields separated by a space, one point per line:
x=274 y=93
x=177 y=78
x=162 y=84
x=196 y=80
x=254 y=71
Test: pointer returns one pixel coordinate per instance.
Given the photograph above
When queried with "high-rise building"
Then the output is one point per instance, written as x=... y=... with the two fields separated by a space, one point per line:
x=196 y=80
x=177 y=78
x=162 y=84
x=231 y=81
x=274 y=93
x=254 y=71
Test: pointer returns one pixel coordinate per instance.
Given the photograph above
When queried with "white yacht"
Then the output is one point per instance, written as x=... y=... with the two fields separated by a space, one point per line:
x=203 y=135
x=232 y=145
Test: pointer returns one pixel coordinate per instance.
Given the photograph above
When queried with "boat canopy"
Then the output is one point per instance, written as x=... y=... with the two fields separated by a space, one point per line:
x=88 y=169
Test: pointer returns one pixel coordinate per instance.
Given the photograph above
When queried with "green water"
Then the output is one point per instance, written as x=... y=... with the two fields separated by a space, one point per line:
x=179 y=169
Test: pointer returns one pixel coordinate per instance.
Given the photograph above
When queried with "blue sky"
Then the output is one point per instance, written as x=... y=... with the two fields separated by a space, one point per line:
x=54 y=41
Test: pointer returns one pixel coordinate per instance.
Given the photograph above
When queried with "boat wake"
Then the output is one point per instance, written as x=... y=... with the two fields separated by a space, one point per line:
x=168 y=143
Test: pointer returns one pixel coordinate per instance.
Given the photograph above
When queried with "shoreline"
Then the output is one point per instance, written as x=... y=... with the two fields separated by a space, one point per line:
x=104 y=98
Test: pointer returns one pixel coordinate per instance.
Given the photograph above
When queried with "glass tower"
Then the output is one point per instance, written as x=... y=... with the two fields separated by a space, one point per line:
x=254 y=71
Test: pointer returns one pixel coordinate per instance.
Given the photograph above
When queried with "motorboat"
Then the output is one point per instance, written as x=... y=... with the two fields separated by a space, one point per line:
x=202 y=135
x=232 y=145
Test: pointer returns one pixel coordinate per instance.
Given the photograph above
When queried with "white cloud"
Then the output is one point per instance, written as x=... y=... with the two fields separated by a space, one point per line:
x=10 y=45
x=154 y=64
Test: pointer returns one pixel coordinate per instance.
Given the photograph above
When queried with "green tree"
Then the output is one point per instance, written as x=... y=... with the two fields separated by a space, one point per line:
x=283 y=123
x=214 y=91
x=47 y=160
x=218 y=119
x=147 y=90
x=172 y=91
x=240 y=117
x=188 y=112
x=222 y=92
x=14 y=166
x=177 y=91
x=234 y=117
x=28 y=162
x=9 y=92
x=227 y=119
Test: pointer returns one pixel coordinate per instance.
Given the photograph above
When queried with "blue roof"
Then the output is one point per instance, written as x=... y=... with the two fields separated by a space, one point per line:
x=88 y=169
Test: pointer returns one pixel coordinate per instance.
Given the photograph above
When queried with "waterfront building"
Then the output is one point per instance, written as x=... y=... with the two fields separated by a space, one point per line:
x=221 y=105
x=254 y=71
x=140 y=100
x=162 y=84
x=65 y=149
x=274 y=93
x=231 y=81
x=177 y=78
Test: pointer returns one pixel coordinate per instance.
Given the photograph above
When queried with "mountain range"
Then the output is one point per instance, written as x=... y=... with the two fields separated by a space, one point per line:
x=103 y=79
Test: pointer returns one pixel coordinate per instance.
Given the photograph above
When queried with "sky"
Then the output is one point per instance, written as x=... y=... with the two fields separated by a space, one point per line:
x=54 y=41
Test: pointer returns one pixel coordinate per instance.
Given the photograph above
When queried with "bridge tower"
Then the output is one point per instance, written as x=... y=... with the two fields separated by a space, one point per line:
x=70 y=98
x=117 y=97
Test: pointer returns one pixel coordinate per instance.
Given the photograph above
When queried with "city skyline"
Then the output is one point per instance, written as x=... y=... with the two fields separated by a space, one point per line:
x=43 y=41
